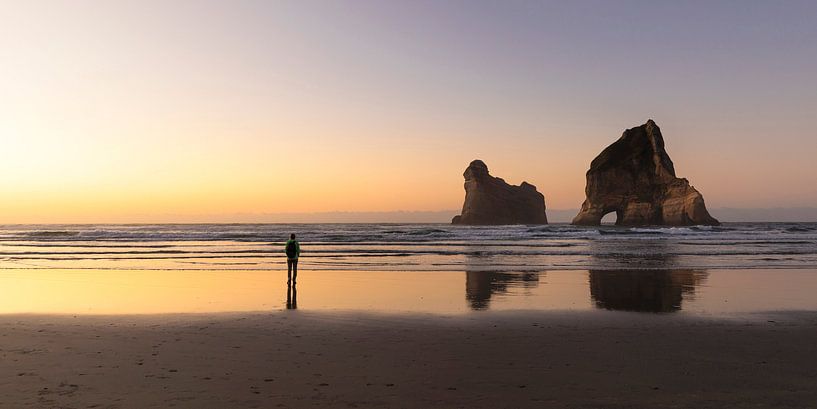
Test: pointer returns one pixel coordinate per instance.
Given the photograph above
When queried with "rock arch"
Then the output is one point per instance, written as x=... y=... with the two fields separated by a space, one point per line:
x=635 y=178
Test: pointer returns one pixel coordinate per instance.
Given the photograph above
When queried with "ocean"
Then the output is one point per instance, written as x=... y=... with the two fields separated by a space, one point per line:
x=408 y=247
x=416 y=268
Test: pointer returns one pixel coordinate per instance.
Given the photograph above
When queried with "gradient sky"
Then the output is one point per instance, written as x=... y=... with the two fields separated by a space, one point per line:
x=130 y=111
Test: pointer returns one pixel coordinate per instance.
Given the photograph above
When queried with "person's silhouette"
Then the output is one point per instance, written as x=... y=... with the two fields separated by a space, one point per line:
x=293 y=251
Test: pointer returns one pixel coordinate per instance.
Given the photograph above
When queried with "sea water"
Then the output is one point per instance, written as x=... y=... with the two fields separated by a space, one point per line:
x=429 y=268
x=409 y=247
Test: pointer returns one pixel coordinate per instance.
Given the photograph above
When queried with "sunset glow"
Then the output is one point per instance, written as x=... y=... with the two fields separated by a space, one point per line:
x=113 y=112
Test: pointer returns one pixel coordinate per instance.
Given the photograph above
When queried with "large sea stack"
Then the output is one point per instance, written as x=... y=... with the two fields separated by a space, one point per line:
x=490 y=200
x=635 y=178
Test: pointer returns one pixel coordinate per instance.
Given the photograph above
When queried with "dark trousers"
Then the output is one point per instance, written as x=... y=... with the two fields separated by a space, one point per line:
x=292 y=269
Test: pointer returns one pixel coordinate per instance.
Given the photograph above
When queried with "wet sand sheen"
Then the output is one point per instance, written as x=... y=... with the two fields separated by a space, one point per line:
x=496 y=359
x=700 y=292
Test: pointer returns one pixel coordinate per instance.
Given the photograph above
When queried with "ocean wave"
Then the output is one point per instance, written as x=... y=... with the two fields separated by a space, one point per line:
x=51 y=233
x=745 y=242
x=798 y=229
x=632 y=254
x=426 y=232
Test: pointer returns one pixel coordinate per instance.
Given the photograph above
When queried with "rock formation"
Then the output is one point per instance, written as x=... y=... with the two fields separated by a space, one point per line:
x=635 y=178
x=489 y=200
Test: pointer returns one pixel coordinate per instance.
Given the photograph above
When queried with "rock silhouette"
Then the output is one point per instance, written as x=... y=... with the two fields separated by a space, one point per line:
x=480 y=286
x=643 y=290
x=635 y=178
x=490 y=200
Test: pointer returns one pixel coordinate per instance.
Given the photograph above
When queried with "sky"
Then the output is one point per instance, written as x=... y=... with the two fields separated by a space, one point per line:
x=117 y=111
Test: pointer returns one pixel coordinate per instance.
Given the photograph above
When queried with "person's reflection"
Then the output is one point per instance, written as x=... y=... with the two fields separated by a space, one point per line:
x=292 y=297
x=643 y=290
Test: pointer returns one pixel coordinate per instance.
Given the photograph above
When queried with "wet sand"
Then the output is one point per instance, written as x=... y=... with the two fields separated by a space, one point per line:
x=297 y=359
x=123 y=292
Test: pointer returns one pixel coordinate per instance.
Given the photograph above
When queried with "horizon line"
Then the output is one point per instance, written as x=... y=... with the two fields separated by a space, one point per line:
x=556 y=216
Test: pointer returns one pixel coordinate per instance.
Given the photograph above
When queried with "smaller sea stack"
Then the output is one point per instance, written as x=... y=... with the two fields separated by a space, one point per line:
x=491 y=201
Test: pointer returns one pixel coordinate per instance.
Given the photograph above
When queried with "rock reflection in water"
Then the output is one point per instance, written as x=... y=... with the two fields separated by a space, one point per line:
x=643 y=290
x=481 y=285
x=633 y=254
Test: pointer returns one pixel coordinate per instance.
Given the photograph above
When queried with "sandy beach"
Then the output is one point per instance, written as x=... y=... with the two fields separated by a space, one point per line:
x=408 y=204
x=183 y=317
x=301 y=359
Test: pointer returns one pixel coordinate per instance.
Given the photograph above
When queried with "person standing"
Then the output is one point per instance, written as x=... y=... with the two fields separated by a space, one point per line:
x=292 y=250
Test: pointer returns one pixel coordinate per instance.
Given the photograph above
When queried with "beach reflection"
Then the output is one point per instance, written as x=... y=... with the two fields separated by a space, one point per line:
x=481 y=285
x=292 y=297
x=482 y=281
x=643 y=290
x=633 y=254
x=440 y=292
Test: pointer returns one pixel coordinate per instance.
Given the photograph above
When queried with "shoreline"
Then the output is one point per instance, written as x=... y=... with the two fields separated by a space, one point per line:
x=494 y=359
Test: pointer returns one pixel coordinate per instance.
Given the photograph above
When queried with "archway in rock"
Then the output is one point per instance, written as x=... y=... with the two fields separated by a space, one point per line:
x=611 y=217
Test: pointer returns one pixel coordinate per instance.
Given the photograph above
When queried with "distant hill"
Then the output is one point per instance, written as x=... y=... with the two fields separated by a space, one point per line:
x=439 y=216
x=798 y=214
x=725 y=214
x=778 y=214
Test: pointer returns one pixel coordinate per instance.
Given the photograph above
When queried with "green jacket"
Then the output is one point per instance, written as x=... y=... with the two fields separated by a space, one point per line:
x=297 y=248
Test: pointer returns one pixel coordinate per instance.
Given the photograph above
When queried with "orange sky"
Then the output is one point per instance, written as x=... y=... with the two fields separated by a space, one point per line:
x=131 y=111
